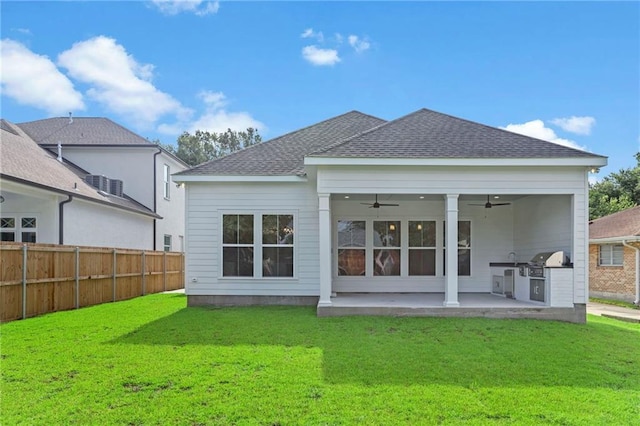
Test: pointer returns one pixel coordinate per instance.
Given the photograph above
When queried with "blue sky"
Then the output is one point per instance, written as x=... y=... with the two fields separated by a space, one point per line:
x=562 y=71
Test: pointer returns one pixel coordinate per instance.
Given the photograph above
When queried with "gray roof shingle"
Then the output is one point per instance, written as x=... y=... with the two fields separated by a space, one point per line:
x=284 y=155
x=625 y=223
x=81 y=131
x=430 y=134
x=24 y=161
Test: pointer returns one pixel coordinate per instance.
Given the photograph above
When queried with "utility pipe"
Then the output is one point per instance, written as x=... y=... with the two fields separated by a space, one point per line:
x=637 y=299
x=155 y=195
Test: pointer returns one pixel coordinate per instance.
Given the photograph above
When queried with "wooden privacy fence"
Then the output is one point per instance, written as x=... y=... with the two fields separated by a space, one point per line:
x=39 y=278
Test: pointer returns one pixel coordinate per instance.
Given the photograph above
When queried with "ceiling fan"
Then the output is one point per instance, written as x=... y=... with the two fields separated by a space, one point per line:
x=377 y=205
x=489 y=204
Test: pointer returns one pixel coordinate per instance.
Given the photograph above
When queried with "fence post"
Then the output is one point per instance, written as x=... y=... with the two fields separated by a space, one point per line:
x=77 y=250
x=115 y=271
x=24 y=281
x=164 y=271
x=143 y=274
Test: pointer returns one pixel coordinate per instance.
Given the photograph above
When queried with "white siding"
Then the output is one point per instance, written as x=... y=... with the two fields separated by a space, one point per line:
x=206 y=202
x=560 y=287
x=442 y=180
x=91 y=224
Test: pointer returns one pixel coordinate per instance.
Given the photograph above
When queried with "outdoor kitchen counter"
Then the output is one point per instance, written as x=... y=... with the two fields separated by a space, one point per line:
x=507 y=264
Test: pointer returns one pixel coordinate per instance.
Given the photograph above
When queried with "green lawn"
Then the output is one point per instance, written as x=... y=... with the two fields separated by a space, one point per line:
x=152 y=361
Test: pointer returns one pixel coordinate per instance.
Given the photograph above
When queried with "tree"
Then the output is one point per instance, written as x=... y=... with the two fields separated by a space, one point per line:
x=616 y=192
x=203 y=146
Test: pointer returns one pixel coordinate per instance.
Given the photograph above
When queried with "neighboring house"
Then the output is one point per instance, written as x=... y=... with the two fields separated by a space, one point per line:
x=44 y=199
x=614 y=256
x=123 y=161
x=291 y=220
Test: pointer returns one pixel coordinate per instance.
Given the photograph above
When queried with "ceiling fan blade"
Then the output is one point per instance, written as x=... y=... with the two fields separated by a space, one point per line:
x=396 y=205
x=501 y=204
x=367 y=204
x=476 y=205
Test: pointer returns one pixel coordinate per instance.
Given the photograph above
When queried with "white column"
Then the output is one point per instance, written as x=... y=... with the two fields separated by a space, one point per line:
x=451 y=275
x=324 y=229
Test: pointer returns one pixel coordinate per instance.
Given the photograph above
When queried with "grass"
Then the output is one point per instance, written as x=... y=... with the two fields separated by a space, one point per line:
x=614 y=303
x=153 y=361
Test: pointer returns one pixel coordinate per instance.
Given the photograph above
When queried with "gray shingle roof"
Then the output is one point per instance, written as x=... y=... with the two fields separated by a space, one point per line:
x=430 y=134
x=284 y=155
x=81 y=131
x=621 y=224
x=24 y=161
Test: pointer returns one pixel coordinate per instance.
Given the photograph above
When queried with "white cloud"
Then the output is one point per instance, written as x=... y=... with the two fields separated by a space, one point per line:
x=537 y=129
x=573 y=124
x=25 y=31
x=358 y=44
x=320 y=57
x=199 y=7
x=118 y=81
x=215 y=118
x=34 y=80
x=339 y=38
x=309 y=33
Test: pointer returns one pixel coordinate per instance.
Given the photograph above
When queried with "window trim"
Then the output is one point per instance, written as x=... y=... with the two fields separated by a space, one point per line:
x=257 y=244
x=166 y=180
x=610 y=255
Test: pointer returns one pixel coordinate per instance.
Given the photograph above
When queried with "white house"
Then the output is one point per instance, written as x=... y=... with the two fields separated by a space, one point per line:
x=46 y=199
x=121 y=160
x=354 y=214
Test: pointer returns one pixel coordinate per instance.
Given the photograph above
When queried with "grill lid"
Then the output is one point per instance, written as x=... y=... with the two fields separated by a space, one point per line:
x=550 y=259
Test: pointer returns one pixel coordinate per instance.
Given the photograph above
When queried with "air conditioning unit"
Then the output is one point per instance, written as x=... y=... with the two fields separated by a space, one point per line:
x=98 y=181
x=116 y=187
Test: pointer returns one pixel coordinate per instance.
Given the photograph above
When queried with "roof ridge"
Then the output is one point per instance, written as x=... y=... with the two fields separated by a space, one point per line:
x=194 y=168
x=364 y=133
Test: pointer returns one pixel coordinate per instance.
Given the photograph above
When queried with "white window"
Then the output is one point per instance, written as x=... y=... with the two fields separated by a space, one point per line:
x=386 y=247
x=422 y=247
x=237 y=245
x=260 y=245
x=277 y=245
x=611 y=255
x=166 y=181
x=351 y=247
x=20 y=229
x=167 y=242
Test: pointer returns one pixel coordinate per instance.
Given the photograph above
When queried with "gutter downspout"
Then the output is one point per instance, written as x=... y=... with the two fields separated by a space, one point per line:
x=61 y=218
x=155 y=195
x=637 y=300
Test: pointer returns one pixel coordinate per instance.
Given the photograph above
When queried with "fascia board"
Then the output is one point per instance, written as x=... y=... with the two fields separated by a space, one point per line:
x=179 y=178
x=520 y=162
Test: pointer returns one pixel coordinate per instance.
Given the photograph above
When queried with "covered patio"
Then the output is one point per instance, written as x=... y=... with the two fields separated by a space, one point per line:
x=432 y=305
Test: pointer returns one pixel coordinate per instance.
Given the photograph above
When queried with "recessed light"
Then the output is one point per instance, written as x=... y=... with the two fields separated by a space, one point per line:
x=422 y=197
x=495 y=197
x=346 y=196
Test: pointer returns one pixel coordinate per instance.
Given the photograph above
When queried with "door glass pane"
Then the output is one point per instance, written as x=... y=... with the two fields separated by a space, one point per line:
x=422 y=233
x=28 y=222
x=422 y=262
x=351 y=233
x=386 y=233
x=386 y=262
x=351 y=262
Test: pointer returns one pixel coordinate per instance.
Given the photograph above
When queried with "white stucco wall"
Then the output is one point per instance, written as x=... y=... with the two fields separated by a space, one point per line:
x=134 y=166
x=22 y=201
x=206 y=202
x=91 y=224
x=172 y=208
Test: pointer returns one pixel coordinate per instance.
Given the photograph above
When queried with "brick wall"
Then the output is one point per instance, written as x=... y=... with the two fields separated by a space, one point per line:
x=613 y=282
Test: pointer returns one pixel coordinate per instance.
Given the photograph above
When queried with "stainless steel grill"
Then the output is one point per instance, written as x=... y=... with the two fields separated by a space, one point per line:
x=547 y=259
